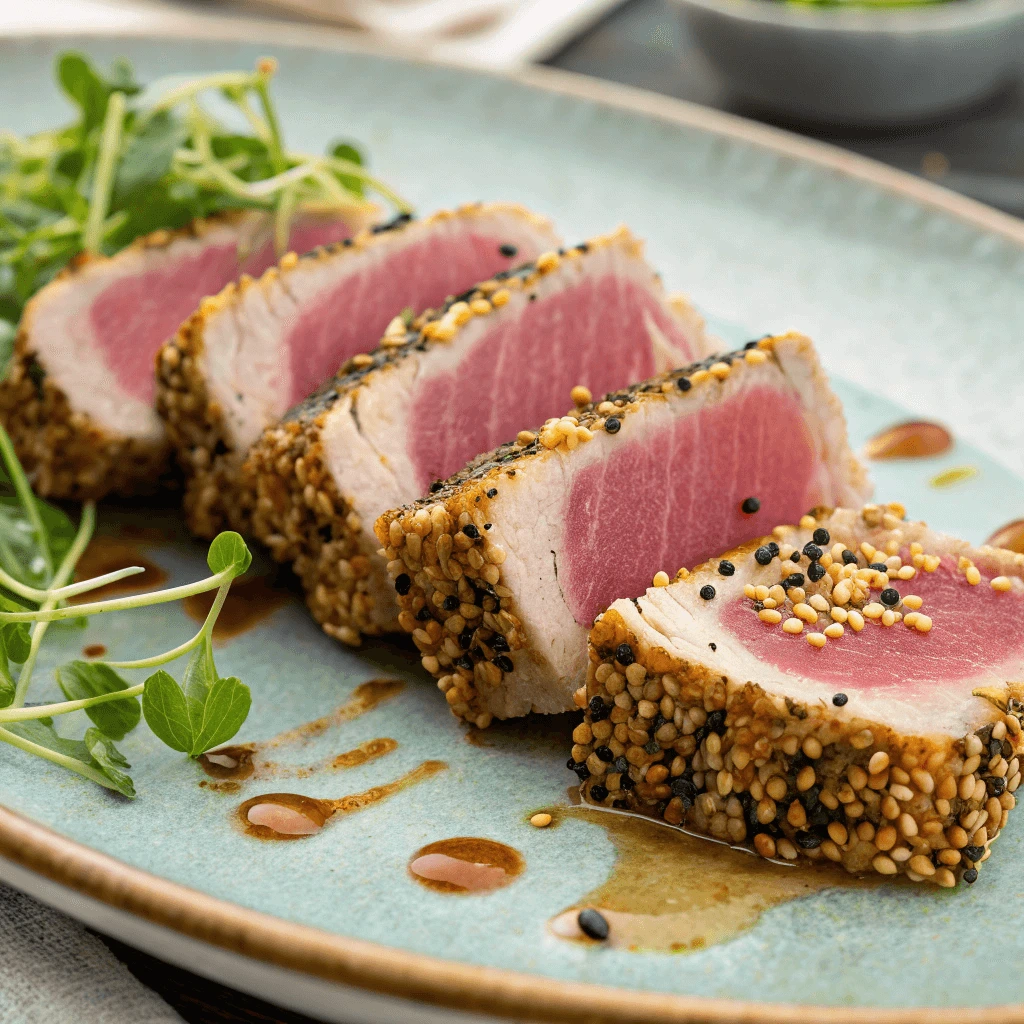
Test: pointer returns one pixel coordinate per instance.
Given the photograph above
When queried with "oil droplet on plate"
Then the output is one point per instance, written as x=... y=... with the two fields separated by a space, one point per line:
x=94 y=651
x=671 y=891
x=229 y=762
x=1010 y=536
x=466 y=864
x=249 y=601
x=917 y=439
x=284 y=815
x=956 y=475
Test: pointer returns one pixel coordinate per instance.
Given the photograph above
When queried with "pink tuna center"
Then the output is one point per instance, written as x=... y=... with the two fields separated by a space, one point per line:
x=133 y=317
x=673 y=499
x=973 y=630
x=521 y=372
x=353 y=317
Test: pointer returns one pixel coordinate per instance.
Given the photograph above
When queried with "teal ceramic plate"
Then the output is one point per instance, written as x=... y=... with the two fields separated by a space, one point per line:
x=916 y=299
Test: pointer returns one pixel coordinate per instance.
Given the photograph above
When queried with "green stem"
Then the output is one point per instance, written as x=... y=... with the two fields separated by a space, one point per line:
x=64 y=572
x=275 y=144
x=71 y=763
x=283 y=220
x=189 y=90
x=67 y=706
x=27 y=499
x=51 y=614
x=103 y=181
x=160 y=659
x=31 y=594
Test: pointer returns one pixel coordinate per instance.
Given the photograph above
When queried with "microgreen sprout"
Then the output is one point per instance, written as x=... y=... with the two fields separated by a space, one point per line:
x=202 y=712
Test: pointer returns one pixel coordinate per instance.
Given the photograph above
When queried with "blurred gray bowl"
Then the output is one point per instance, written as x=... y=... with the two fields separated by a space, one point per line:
x=856 y=65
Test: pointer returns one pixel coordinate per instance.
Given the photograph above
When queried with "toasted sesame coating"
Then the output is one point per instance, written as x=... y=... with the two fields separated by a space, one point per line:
x=295 y=508
x=422 y=540
x=793 y=779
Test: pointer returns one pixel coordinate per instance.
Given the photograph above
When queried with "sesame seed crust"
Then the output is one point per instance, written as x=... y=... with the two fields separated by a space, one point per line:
x=424 y=540
x=205 y=449
x=294 y=504
x=697 y=746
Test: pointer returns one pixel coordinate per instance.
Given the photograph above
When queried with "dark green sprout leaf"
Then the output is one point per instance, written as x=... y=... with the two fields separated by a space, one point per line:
x=228 y=551
x=224 y=712
x=346 y=151
x=147 y=157
x=83 y=679
x=110 y=761
x=42 y=732
x=163 y=704
x=83 y=86
x=19 y=552
x=14 y=646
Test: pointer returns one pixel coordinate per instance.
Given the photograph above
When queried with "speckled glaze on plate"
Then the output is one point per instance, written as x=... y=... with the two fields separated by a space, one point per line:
x=915 y=298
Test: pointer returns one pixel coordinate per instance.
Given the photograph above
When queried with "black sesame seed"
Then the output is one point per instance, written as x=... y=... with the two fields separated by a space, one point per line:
x=612 y=425
x=726 y=568
x=465 y=639
x=773 y=548
x=995 y=786
x=621 y=765
x=750 y=505
x=598 y=709
x=651 y=746
x=763 y=555
x=626 y=782
x=849 y=557
x=685 y=788
x=471 y=531
x=815 y=571
x=716 y=722
x=808 y=840
x=580 y=768
x=508 y=251
x=821 y=536
x=499 y=644
x=450 y=603
x=971 y=876
x=599 y=793
x=839 y=699
x=795 y=579
x=812 y=551
x=795 y=557
x=504 y=662
x=684 y=384
x=465 y=662
x=889 y=596
x=403 y=584
x=624 y=655
x=751 y=344
x=436 y=486
x=707 y=592
x=592 y=923
x=605 y=754
x=492 y=492
x=879 y=567
x=487 y=526
x=974 y=853
x=713 y=646
x=423 y=614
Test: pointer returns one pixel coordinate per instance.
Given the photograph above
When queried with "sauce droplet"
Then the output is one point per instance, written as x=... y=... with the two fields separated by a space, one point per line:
x=94 y=651
x=1010 y=536
x=284 y=815
x=466 y=864
x=229 y=762
x=917 y=439
x=249 y=602
x=108 y=554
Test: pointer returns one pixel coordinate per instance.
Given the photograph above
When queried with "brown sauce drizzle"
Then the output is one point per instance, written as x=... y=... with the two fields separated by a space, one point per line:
x=466 y=864
x=917 y=439
x=108 y=554
x=94 y=651
x=289 y=816
x=671 y=891
x=245 y=761
x=250 y=600
x=1010 y=536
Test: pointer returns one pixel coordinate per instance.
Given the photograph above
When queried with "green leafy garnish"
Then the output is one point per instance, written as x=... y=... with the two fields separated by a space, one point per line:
x=137 y=160
x=83 y=679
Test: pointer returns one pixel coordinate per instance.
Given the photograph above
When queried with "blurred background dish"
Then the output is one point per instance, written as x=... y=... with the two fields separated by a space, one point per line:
x=860 y=64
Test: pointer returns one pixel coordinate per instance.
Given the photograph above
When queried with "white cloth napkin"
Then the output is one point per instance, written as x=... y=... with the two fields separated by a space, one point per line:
x=52 y=971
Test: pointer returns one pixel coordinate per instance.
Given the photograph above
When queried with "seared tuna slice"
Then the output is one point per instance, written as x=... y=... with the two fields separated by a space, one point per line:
x=837 y=690
x=501 y=572
x=258 y=348
x=78 y=396
x=505 y=354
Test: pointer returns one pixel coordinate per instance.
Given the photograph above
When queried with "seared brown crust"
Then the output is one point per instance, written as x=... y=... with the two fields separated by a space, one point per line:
x=66 y=454
x=291 y=516
x=467 y=664
x=701 y=749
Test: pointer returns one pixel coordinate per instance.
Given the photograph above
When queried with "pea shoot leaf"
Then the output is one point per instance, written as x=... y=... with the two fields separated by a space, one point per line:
x=83 y=679
x=346 y=151
x=224 y=712
x=14 y=646
x=109 y=760
x=147 y=157
x=163 y=704
x=228 y=551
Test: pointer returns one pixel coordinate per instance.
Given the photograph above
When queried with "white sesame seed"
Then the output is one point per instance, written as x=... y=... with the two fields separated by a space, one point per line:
x=878 y=763
x=661 y=579
x=793 y=626
x=873 y=610
x=816 y=639
x=541 y=820
x=834 y=631
x=1001 y=583
x=973 y=575
x=855 y=620
x=769 y=615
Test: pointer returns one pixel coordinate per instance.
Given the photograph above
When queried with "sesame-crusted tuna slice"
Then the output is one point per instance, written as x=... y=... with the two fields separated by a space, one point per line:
x=505 y=354
x=503 y=570
x=77 y=399
x=840 y=690
x=259 y=347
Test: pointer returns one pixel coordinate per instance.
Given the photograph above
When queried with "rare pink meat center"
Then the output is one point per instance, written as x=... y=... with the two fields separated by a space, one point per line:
x=134 y=317
x=353 y=316
x=974 y=629
x=673 y=499
x=521 y=372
